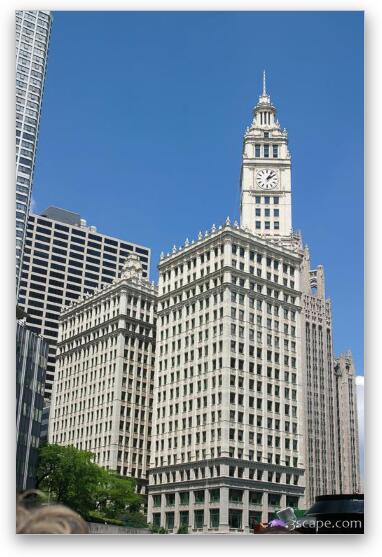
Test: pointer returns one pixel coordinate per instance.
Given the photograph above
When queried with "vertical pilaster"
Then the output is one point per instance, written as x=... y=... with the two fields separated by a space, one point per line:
x=224 y=503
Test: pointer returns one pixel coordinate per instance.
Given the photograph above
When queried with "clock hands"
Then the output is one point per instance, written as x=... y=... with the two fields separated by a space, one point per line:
x=266 y=178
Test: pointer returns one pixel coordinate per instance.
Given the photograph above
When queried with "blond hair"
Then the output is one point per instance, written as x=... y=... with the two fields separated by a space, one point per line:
x=47 y=519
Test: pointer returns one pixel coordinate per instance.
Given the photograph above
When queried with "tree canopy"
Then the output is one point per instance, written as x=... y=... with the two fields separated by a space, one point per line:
x=71 y=477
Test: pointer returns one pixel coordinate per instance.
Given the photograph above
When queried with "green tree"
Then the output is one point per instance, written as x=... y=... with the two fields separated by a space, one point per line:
x=70 y=477
x=155 y=529
x=116 y=495
x=135 y=519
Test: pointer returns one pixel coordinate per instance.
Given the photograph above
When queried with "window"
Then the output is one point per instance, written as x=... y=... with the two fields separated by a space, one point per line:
x=199 y=518
x=170 y=521
x=156 y=500
x=214 y=518
x=77 y=232
x=156 y=519
x=258 y=225
x=214 y=495
x=184 y=518
x=170 y=499
x=275 y=201
x=235 y=518
x=258 y=199
x=255 y=497
x=258 y=212
x=267 y=200
x=274 y=499
x=257 y=150
x=267 y=212
x=277 y=225
x=266 y=151
x=254 y=518
x=184 y=497
x=275 y=152
x=276 y=212
x=199 y=496
x=267 y=225
x=235 y=495
x=292 y=501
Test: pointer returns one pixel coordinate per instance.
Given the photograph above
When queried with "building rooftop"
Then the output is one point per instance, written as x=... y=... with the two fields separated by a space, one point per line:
x=290 y=245
x=66 y=217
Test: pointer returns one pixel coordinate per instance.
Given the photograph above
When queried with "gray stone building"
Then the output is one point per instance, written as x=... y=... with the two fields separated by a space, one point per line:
x=347 y=424
x=322 y=469
x=332 y=459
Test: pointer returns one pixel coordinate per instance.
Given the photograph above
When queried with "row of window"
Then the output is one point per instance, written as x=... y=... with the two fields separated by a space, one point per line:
x=265 y=150
x=45 y=226
x=267 y=225
x=235 y=517
x=267 y=199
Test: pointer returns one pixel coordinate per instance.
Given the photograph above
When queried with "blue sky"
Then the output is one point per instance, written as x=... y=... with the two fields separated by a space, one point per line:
x=143 y=118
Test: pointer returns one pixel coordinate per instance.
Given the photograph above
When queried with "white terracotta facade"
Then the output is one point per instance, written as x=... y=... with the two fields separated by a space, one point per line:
x=226 y=420
x=103 y=388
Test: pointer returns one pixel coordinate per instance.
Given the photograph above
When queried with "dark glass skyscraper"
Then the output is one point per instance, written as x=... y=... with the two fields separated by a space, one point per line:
x=31 y=360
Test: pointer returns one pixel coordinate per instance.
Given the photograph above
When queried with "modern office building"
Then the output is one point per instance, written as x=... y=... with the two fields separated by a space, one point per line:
x=64 y=259
x=103 y=387
x=45 y=422
x=32 y=43
x=347 y=424
x=31 y=361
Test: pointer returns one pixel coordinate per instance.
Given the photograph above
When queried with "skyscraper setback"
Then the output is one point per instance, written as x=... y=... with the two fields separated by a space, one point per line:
x=32 y=43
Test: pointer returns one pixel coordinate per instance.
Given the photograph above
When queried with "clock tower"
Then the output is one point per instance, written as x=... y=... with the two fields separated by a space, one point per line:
x=265 y=181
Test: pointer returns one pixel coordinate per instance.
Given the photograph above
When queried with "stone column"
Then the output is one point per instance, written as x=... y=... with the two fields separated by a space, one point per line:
x=245 y=517
x=264 y=516
x=162 y=511
x=149 y=508
x=176 y=512
x=191 y=510
x=224 y=503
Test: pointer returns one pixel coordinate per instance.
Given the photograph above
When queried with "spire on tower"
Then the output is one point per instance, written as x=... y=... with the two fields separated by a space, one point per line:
x=264 y=85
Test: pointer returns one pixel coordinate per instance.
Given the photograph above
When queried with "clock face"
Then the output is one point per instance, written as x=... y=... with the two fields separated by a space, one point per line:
x=266 y=179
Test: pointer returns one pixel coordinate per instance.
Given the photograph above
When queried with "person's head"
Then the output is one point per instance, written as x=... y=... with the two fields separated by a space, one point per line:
x=47 y=519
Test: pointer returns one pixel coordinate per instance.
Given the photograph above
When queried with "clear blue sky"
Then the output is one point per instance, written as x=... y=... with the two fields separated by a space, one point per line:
x=143 y=118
